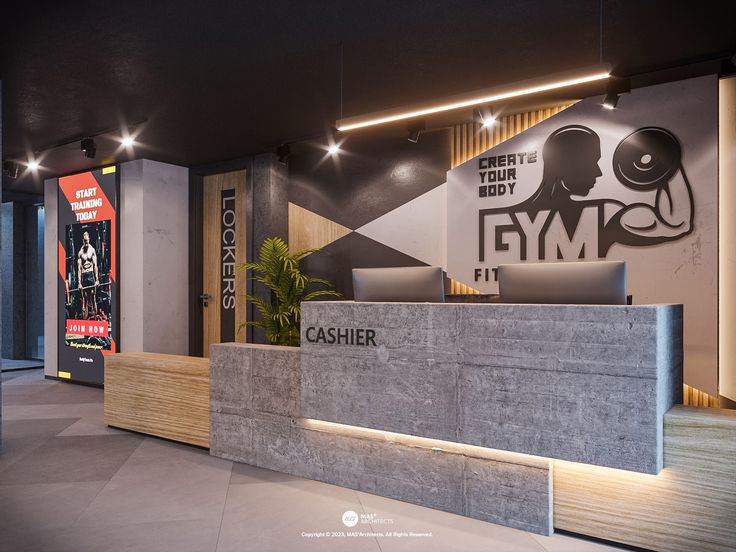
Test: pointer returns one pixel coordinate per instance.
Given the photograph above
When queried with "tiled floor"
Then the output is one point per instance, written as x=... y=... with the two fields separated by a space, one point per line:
x=68 y=483
x=11 y=364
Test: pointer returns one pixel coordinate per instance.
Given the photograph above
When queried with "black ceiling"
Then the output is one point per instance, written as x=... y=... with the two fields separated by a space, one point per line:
x=219 y=80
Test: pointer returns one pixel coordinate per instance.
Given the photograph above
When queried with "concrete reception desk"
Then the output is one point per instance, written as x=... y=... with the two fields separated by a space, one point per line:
x=582 y=383
x=460 y=407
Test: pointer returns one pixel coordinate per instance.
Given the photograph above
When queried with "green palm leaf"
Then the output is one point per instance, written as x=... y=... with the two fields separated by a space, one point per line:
x=279 y=271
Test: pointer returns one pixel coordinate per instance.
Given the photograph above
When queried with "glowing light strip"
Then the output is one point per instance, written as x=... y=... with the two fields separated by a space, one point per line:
x=473 y=451
x=344 y=124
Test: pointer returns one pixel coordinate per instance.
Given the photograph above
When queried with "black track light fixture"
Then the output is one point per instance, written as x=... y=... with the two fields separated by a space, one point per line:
x=613 y=90
x=415 y=129
x=11 y=170
x=611 y=100
x=88 y=147
x=282 y=153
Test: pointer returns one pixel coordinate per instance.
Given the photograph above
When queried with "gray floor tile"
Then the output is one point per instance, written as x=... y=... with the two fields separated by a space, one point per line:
x=162 y=481
x=450 y=532
x=30 y=508
x=274 y=516
x=245 y=474
x=70 y=459
x=60 y=393
x=44 y=427
x=19 y=377
x=90 y=426
x=25 y=389
x=38 y=411
x=566 y=543
x=22 y=437
x=178 y=536
x=12 y=364
x=15 y=449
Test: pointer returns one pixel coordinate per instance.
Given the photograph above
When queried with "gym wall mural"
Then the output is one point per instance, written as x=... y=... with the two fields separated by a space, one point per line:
x=88 y=324
x=638 y=183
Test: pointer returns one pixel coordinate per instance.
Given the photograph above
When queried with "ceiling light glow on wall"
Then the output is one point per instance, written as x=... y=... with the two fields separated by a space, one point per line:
x=526 y=88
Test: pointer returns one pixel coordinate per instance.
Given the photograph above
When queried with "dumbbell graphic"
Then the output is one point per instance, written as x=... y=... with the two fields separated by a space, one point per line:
x=647 y=159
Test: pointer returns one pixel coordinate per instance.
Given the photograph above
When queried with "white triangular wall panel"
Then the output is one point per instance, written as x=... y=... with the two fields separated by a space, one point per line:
x=417 y=228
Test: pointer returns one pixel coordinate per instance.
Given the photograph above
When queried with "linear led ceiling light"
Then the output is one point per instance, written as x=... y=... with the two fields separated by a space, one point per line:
x=479 y=97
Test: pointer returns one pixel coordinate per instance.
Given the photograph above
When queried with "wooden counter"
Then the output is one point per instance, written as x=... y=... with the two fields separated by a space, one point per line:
x=163 y=395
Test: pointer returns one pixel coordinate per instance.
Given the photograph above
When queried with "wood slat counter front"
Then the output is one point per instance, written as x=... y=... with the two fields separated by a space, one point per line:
x=156 y=394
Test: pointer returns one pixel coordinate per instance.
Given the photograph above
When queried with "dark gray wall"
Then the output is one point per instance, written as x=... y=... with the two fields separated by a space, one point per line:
x=270 y=216
x=13 y=269
x=34 y=223
x=372 y=175
x=1 y=279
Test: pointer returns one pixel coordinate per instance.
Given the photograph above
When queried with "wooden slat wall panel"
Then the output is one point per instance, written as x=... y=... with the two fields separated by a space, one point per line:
x=696 y=397
x=163 y=395
x=690 y=505
x=470 y=139
x=211 y=260
x=308 y=230
x=213 y=186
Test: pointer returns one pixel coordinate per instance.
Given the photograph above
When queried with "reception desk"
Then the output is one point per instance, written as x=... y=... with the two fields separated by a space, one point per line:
x=459 y=407
x=582 y=383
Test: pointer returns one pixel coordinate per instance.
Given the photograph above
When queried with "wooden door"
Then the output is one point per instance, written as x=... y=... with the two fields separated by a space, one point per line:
x=223 y=237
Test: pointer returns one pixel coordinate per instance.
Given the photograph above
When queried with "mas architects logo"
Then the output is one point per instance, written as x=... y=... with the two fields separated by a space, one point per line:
x=350 y=519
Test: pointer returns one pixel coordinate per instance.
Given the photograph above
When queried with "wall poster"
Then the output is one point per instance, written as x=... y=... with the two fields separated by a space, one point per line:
x=88 y=285
x=638 y=183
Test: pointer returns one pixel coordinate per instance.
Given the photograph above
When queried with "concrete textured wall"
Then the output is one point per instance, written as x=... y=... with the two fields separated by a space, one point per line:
x=255 y=418
x=51 y=277
x=581 y=383
x=13 y=263
x=154 y=254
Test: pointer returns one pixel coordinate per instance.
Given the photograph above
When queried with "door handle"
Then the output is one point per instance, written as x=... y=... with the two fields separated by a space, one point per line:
x=205 y=298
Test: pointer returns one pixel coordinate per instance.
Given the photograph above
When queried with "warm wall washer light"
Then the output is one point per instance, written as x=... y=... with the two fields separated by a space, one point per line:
x=478 y=98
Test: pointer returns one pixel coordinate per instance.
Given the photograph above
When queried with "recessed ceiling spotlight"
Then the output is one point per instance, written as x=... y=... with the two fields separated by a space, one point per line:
x=33 y=165
x=128 y=142
x=333 y=149
x=484 y=117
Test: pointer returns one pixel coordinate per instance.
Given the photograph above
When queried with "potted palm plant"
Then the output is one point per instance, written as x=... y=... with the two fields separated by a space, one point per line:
x=278 y=269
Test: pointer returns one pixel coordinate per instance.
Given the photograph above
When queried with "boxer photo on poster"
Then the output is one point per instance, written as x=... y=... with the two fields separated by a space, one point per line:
x=88 y=294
